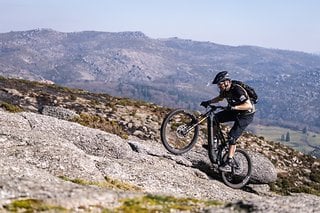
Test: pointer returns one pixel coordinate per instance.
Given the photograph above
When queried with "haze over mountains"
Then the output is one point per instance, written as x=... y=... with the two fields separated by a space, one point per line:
x=172 y=72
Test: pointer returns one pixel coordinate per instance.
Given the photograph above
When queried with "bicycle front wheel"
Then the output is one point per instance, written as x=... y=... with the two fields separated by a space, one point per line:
x=241 y=170
x=179 y=131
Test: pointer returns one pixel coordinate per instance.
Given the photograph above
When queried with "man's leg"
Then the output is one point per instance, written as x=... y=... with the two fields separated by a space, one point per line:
x=238 y=127
x=232 y=150
x=240 y=124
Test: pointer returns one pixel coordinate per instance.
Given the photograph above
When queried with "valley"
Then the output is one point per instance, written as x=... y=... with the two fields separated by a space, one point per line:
x=300 y=141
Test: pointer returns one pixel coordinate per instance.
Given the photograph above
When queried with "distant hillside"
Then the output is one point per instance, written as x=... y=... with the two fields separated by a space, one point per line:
x=169 y=72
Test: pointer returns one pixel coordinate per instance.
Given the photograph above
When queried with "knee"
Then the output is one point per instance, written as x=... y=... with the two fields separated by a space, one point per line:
x=232 y=141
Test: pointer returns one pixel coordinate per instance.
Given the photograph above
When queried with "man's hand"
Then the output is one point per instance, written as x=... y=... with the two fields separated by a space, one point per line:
x=205 y=103
x=229 y=108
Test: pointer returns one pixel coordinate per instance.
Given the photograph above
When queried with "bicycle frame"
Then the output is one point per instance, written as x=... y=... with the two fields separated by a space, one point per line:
x=214 y=130
x=211 y=123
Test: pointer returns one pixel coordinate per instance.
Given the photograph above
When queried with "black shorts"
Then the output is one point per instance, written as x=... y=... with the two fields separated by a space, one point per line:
x=241 y=121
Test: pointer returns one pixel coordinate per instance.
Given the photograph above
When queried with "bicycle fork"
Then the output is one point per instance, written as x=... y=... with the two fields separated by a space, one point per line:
x=193 y=125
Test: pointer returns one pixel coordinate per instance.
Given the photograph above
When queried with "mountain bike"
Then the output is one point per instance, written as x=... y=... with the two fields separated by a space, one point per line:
x=179 y=133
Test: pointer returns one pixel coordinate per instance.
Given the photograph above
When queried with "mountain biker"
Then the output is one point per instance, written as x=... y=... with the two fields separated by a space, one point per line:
x=239 y=109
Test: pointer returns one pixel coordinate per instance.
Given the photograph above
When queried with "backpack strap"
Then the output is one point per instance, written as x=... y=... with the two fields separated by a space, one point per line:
x=243 y=90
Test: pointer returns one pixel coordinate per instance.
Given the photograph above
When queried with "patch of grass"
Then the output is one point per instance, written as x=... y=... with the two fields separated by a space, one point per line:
x=10 y=107
x=108 y=183
x=32 y=205
x=95 y=121
x=117 y=184
x=158 y=203
x=124 y=102
x=78 y=181
x=130 y=102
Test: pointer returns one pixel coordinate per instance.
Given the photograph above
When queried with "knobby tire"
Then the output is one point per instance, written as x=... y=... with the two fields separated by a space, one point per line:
x=237 y=180
x=173 y=137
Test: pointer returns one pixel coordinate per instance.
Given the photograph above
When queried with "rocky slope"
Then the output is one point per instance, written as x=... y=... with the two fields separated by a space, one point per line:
x=63 y=165
x=171 y=72
x=49 y=163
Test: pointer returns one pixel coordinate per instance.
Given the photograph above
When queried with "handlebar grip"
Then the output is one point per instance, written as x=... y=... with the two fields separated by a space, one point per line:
x=214 y=107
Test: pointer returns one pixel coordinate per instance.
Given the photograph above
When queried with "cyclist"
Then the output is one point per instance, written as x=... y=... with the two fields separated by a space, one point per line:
x=239 y=109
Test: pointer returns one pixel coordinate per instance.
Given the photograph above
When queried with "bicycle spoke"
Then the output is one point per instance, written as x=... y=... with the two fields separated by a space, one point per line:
x=179 y=131
x=176 y=131
x=241 y=170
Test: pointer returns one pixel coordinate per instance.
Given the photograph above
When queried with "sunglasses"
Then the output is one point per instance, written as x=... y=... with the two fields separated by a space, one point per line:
x=221 y=83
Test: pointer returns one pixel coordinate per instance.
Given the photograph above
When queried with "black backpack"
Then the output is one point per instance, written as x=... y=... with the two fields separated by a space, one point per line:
x=251 y=92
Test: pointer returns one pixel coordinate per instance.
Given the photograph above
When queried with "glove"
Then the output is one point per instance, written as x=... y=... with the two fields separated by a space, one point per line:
x=205 y=103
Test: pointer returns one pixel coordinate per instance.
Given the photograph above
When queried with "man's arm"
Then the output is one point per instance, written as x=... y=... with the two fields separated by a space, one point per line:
x=242 y=101
x=247 y=105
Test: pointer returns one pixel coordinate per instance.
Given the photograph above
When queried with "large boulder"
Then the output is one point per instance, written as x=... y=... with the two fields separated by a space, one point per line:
x=263 y=171
x=59 y=112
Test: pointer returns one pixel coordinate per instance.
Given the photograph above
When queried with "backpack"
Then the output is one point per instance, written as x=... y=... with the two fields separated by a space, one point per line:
x=250 y=91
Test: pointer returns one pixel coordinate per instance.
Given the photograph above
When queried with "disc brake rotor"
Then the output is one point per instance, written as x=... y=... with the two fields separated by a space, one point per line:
x=181 y=131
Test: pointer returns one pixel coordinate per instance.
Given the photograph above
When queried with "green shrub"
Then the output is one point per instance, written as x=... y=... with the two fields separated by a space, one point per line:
x=109 y=183
x=287 y=184
x=158 y=203
x=10 y=107
x=315 y=175
x=95 y=121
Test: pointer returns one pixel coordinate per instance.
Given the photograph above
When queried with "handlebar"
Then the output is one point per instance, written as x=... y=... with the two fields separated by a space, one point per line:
x=214 y=107
x=210 y=109
x=218 y=107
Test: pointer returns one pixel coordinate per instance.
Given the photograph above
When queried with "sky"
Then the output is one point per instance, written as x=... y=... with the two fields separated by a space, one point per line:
x=279 y=24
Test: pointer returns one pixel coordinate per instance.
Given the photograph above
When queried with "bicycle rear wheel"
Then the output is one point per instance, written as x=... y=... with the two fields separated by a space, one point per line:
x=241 y=170
x=179 y=132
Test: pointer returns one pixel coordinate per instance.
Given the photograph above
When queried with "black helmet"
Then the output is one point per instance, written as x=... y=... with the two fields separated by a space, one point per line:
x=221 y=76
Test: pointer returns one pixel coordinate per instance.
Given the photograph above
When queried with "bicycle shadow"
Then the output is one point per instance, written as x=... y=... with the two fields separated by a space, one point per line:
x=208 y=169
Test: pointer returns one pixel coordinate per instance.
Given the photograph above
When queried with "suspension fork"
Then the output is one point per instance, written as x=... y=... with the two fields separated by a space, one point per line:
x=202 y=118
